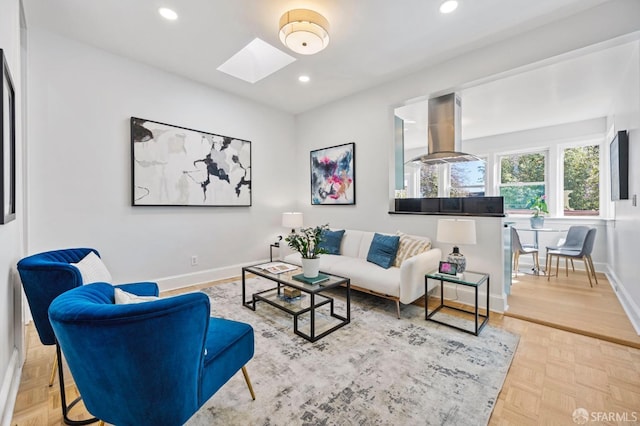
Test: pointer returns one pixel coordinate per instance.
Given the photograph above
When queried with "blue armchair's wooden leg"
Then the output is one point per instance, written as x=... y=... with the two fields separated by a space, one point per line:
x=63 y=397
x=246 y=379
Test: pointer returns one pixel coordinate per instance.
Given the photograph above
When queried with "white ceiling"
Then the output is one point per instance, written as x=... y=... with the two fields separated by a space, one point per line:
x=372 y=41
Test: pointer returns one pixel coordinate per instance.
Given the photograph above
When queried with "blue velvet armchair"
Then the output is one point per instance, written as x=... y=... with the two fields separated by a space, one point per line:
x=155 y=362
x=45 y=276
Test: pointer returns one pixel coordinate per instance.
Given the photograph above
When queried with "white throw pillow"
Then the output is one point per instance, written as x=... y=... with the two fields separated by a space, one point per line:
x=92 y=269
x=410 y=246
x=122 y=297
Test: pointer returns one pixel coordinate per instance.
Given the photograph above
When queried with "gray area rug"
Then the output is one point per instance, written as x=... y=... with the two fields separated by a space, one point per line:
x=377 y=370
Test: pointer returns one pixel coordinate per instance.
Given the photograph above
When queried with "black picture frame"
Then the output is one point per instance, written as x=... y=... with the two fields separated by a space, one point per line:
x=178 y=166
x=333 y=175
x=7 y=144
x=619 y=163
x=448 y=268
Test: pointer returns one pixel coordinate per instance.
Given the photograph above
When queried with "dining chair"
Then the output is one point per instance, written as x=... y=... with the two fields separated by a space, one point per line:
x=518 y=248
x=573 y=241
x=581 y=253
x=148 y=362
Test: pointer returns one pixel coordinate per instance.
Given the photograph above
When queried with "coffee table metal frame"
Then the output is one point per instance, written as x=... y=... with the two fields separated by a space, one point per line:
x=473 y=279
x=313 y=291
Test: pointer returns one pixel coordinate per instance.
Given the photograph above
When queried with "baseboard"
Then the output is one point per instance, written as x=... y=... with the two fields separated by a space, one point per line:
x=10 y=385
x=628 y=304
x=201 y=277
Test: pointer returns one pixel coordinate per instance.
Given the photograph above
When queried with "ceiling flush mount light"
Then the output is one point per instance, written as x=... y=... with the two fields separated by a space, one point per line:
x=304 y=31
x=304 y=79
x=448 y=6
x=168 y=14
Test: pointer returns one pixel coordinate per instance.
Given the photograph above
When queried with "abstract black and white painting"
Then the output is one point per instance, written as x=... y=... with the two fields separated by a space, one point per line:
x=333 y=175
x=177 y=166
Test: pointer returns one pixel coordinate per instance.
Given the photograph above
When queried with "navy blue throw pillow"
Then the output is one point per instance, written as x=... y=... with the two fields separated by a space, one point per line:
x=383 y=250
x=331 y=241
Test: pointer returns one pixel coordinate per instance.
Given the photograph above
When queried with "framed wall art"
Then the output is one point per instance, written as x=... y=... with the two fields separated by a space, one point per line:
x=177 y=166
x=333 y=175
x=8 y=144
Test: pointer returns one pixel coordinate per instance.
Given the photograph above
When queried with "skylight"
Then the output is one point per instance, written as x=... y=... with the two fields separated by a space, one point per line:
x=256 y=61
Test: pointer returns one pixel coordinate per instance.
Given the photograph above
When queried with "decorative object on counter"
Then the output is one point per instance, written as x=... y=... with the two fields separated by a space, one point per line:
x=457 y=231
x=333 y=175
x=539 y=206
x=292 y=220
x=307 y=243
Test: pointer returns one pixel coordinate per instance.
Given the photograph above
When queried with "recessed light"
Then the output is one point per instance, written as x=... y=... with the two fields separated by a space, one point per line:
x=304 y=79
x=168 y=14
x=448 y=6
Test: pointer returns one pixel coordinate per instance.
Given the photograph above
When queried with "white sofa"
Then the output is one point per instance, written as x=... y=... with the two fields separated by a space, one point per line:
x=402 y=284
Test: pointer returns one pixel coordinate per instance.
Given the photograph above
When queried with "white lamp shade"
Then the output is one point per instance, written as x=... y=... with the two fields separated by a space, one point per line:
x=456 y=231
x=292 y=220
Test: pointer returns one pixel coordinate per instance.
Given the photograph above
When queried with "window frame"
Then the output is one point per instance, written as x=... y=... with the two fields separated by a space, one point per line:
x=540 y=150
x=603 y=179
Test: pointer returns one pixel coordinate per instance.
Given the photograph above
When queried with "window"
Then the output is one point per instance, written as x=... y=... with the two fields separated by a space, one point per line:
x=522 y=177
x=429 y=180
x=464 y=179
x=468 y=179
x=582 y=181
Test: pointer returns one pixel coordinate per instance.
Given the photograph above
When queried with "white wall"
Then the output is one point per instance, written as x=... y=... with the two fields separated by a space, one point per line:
x=11 y=233
x=624 y=231
x=81 y=100
x=366 y=118
x=551 y=139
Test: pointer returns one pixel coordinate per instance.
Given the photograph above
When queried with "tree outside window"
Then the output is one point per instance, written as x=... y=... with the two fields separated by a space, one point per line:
x=468 y=179
x=465 y=179
x=582 y=181
x=522 y=177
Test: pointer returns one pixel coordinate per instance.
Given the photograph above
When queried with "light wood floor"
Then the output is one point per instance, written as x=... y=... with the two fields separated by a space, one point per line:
x=571 y=304
x=553 y=373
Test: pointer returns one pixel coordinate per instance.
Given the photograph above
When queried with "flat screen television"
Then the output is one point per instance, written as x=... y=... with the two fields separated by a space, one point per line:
x=619 y=160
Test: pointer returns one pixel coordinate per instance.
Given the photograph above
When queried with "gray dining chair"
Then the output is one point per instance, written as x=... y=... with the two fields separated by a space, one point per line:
x=518 y=248
x=573 y=241
x=581 y=253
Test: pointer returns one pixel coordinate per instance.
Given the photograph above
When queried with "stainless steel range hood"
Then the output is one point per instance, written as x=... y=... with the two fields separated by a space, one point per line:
x=444 y=132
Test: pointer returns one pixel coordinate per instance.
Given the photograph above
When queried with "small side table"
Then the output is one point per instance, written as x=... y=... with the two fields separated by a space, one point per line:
x=469 y=279
x=271 y=246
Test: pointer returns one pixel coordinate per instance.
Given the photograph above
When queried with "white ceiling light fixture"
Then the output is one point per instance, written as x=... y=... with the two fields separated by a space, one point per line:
x=304 y=31
x=304 y=79
x=168 y=14
x=448 y=6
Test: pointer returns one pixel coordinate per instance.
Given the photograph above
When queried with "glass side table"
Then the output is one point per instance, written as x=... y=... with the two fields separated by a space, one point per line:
x=469 y=279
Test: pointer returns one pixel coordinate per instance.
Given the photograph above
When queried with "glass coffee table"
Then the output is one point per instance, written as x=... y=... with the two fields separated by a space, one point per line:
x=468 y=279
x=310 y=299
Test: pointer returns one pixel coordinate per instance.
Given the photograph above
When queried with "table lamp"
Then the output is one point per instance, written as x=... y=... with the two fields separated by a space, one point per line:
x=457 y=231
x=292 y=220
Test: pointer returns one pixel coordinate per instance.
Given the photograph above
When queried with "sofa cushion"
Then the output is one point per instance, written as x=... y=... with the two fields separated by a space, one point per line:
x=331 y=241
x=383 y=250
x=410 y=246
x=369 y=276
x=351 y=243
